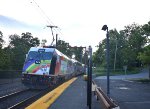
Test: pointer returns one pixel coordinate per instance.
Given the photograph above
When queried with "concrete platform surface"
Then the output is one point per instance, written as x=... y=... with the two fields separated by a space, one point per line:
x=128 y=94
x=75 y=97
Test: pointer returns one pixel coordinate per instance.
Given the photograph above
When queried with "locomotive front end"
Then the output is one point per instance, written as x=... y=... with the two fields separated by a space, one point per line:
x=37 y=67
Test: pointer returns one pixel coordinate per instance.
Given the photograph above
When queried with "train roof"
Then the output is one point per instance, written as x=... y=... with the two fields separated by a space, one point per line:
x=46 y=49
x=49 y=49
x=61 y=54
x=54 y=50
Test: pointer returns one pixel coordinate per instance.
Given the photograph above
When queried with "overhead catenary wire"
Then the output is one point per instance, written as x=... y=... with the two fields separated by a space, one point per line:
x=39 y=9
x=43 y=14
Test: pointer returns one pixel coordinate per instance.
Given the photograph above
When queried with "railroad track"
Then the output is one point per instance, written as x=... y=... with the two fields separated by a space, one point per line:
x=9 y=81
x=2 y=98
x=10 y=88
x=24 y=103
x=21 y=99
x=11 y=101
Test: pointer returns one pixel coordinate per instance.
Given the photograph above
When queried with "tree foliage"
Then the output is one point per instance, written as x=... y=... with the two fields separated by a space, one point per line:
x=68 y=50
x=64 y=47
x=12 y=56
x=145 y=55
x=1 y=39
x=125 y=46
x=129 y=46
x=4 y=60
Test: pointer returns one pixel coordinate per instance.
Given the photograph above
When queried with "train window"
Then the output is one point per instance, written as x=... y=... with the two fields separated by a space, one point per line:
x=39 y=55
x=31 y=55
x=46 y=55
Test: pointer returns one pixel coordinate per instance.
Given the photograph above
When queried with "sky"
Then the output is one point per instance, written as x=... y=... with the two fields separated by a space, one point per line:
x=79 y=21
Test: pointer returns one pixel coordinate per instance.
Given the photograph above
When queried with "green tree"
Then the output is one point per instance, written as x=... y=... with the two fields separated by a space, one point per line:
x=78 y=52
x=146 y=28
x=64 y=47
x=135 y=41
x=1 y=39
x=29 y=40
x=124 y=47
x=4 y=60
x=19 y=46
x=146 y=31
x=145 y=57
x=116 y=42
x=99 y=55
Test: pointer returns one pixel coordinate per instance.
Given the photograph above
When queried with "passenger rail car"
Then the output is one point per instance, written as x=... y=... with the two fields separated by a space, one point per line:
x=46 y=66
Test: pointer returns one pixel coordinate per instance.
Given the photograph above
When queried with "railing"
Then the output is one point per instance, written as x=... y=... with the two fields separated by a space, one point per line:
x=105 y=101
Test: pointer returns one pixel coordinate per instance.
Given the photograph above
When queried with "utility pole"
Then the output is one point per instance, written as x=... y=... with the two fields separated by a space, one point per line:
x=56 y=40
x=50 y=26
x=115 y=56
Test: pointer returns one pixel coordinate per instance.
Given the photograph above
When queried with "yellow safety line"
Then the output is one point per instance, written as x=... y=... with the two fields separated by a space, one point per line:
x=47 y=100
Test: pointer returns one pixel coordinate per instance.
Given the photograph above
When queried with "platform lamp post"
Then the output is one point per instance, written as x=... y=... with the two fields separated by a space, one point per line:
x=89 y=80
x=105 y=28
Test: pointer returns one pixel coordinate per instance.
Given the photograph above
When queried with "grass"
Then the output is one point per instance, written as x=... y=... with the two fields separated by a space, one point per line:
x=100 y=71
x=142 y=80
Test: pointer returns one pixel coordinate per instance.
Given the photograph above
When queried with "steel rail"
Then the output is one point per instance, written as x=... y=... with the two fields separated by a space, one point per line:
x=24 y=103
x=12 y=94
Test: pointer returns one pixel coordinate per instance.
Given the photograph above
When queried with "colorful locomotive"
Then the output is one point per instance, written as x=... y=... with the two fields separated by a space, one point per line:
x=46 y=66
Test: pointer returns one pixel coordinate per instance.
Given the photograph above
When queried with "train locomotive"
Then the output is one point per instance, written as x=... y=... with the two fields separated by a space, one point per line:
x=46 y=66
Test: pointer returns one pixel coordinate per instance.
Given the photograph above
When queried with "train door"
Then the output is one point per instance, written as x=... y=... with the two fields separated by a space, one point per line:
x=53 y=65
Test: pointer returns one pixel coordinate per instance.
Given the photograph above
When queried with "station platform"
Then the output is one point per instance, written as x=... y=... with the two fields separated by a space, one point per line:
x=70 y=95
x=126 y=93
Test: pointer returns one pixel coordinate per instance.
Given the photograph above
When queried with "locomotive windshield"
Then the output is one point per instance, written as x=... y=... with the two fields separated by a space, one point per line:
x=39 y=55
